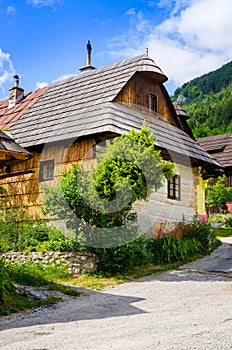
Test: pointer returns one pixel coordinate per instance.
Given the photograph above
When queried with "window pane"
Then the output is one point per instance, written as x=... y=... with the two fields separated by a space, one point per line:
x=174 y=187
x=46 y=171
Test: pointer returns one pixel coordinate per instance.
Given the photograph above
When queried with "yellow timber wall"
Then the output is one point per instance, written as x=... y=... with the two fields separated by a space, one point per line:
x=25 y=190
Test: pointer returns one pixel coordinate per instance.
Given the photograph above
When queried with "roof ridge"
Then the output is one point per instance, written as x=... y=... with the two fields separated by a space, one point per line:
x=219 y=136
x=115 y=65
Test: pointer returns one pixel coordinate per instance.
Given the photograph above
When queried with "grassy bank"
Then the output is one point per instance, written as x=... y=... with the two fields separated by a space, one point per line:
x=55 y=277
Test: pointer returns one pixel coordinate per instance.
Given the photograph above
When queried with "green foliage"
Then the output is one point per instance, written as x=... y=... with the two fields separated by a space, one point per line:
x=123 y=258
x=172 y=249
x=40 y=237
x=210 y=82
x=208 y=101
x=228 y=222
x=6 y=286
x=35 y=274
x=218 y=193
x=196 y=238
x=97 y=205
x=201 y=231
x=37 y=236
x=132 y=158
x=222 y=232
x=16 y=302
x=28 y=274
x=224 y=219
x=12 y=219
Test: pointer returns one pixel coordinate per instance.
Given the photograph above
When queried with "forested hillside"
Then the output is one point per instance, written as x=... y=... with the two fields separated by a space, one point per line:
x=208 y=101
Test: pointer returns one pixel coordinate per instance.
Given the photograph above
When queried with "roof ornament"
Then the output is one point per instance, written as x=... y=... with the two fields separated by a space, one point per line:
x=147 y=50
x=88 y=61
x=89 y=49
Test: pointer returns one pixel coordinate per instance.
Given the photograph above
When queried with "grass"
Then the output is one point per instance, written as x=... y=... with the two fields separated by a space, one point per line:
x=56 y=278
x=33 y=275
x=98 y=282
x=222 y=232
x=16 y=302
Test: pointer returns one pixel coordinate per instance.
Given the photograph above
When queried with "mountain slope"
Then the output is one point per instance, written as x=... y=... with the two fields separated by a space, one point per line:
x=208 y=101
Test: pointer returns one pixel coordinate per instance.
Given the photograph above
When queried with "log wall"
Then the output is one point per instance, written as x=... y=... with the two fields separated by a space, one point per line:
x=136 y=93
x=159 y=209
x=25 y=189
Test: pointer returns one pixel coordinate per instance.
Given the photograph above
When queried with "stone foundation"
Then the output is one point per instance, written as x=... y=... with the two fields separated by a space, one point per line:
x=77 y=262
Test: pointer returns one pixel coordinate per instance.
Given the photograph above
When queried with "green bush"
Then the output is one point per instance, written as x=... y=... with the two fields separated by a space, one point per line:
x=37 y=236
x=172 y=249
x=196 y=238
x=123 y=258
x=194 y=229
x=201 y=231
x=228 y=221
x=5 y=284
x=43 y=238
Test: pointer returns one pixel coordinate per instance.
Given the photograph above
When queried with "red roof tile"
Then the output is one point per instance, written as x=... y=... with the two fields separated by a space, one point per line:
x=9 y=116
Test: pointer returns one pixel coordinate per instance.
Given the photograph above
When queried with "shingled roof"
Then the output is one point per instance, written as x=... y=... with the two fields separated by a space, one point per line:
x=9 y=116
x=84 y=105
x=10 y=150
x=220 y=146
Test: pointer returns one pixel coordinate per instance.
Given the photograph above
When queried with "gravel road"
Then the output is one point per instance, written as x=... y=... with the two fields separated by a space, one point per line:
x=185 y=309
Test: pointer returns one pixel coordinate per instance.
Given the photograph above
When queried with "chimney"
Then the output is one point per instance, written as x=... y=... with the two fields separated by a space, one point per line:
x=88 y=60
x=16 y=93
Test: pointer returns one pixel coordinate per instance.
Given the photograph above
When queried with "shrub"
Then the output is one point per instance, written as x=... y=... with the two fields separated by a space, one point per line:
x=194 y=229
x=218 y=193
x=224 y=219
x=228 y=221
x=123 y=258
x=5 y=284
x=201 y=231
x=172 y=249
x=38 y=236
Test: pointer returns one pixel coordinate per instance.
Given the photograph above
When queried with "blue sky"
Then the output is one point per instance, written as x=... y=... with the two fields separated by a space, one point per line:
x=45 y=40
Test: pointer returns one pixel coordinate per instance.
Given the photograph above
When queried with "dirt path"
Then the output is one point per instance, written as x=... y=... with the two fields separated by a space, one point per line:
x=180 y=309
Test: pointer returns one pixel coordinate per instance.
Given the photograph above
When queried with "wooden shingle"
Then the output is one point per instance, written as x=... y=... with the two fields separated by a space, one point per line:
x=85 y=104
x=220 y=146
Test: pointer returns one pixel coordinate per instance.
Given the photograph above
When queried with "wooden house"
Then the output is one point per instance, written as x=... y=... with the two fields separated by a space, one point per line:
x=220 y=147
x=10 y=153
x=63 y=123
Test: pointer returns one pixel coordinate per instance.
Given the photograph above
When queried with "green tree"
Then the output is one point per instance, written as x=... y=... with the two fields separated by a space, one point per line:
x=97 y=205
x=218 y=193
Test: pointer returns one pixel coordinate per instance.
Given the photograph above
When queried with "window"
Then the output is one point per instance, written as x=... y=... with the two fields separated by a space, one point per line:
x=174 y=188
x=46 y=170
x=153 y=103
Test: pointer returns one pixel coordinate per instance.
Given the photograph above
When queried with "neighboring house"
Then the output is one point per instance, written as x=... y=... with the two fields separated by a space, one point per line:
x=10 y=153
x=220 y=147
x=64 y=123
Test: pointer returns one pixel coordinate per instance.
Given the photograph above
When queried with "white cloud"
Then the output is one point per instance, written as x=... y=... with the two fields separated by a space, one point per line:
x=193 y=40
x=176 y=6
x=40 y=85
x=130 y=12
x=6 y=71
x=41 y=3
x=10 y=10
